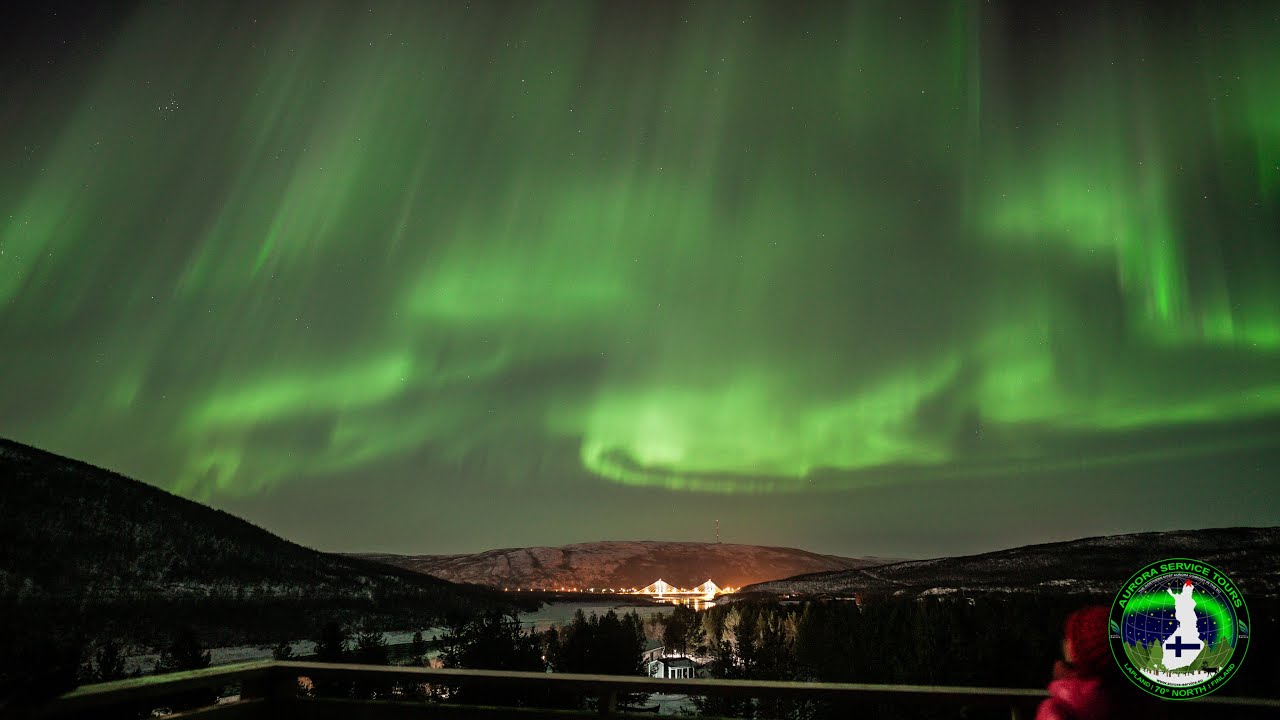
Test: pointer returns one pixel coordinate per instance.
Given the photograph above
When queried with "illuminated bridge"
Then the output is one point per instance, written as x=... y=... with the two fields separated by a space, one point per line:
x=706 y=591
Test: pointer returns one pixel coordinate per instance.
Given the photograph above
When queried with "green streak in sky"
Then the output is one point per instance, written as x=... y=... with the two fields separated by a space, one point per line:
x=334 y=390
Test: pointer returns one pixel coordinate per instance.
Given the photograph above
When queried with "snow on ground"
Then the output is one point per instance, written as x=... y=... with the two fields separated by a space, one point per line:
x=222 y=655
x=547 y=616
x=671 y=704
x=246 y=653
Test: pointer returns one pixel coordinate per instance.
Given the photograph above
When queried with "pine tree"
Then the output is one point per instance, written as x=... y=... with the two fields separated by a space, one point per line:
x=576 y=649
x=728 y=627
x=494 y=641
x=331 y=645
x=282 y=650
x=1155 y=655
x=108 y=663
x=370 y=649
x=370 y=646
x=682 y=627
x=744 y=642
x=551 y=648
x=184 y=653
x=417 y=649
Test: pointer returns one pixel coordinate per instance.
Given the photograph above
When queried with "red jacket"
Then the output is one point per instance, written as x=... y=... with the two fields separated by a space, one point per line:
x=1073 y=696
x=1077 y=698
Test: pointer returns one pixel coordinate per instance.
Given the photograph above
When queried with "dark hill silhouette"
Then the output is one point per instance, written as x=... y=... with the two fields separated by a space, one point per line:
x=1090 y=566
x=107 y=549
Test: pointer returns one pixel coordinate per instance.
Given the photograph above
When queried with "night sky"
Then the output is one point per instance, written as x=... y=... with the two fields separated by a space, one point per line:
x=895 y=278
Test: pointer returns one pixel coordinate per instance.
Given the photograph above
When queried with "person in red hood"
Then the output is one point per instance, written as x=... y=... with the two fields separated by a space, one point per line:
x=1086 y=683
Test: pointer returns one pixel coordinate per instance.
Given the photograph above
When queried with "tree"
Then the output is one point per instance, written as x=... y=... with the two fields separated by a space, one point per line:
x=1155 y=654
x=185 y=652
x=744 y=642
x=676 y=632
x=282 y=650
x=417 y=649
x=620 y=643
x=550 y=641
x=723 y=665
x=331 y=645
x=108 y=663
x=608 y=644
x=494 y=640
x=370 y=649
x=370 y=646
x=654 y=625
x=684 y=630
x=727 y=628
x=575 y=653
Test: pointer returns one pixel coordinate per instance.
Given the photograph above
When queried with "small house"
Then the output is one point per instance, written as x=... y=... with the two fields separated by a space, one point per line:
x=672 y=667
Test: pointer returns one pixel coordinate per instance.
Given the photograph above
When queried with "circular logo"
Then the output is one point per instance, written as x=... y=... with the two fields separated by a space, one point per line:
x=1179 y=628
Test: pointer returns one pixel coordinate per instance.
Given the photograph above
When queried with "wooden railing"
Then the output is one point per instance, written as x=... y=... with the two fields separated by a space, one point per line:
x=270 y=690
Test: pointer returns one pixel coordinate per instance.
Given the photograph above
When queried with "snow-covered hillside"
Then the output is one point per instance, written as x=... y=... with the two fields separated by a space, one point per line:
x=1093 y=566
x=625 y=564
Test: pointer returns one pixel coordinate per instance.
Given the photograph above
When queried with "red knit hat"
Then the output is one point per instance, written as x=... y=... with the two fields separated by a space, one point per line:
x=1087 y=631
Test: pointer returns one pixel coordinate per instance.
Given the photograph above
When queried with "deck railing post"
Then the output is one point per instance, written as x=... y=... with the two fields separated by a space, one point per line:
x=608 y=703
x=276 y=688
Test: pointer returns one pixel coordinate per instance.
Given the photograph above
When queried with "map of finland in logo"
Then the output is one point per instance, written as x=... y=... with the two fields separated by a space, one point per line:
x=1177 y=631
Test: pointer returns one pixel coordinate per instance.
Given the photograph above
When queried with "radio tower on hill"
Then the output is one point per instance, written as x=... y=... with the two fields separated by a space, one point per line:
x=717 y=532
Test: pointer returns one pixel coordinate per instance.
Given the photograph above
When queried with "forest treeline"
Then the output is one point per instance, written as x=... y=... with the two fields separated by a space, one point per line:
x=1000 y=641
x=1008 y=640
x=51 y=646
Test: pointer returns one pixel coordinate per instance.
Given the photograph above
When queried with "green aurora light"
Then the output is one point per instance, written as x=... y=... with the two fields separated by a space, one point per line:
x=1209 y=605
x=726 y=248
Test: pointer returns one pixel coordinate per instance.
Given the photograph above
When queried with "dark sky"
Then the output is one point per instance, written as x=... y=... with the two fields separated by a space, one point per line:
x=893 y=278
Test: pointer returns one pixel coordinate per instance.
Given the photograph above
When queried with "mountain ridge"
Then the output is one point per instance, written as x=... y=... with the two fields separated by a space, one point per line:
x=623 y=564
x=75 y=536
x=1094 y=565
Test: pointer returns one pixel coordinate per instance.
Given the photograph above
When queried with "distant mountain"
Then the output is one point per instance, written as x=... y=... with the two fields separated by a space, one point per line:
x=625 y=564
x=1094 y=566
x=74 y=537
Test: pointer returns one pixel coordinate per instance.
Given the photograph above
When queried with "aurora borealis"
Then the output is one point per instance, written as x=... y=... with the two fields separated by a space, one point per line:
x=444 y=276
